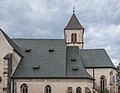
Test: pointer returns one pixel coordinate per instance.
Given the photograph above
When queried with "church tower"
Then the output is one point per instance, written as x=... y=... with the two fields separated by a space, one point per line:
x=73 y=32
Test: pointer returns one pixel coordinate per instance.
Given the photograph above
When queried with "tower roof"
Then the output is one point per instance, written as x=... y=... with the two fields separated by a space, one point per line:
x=73 y=24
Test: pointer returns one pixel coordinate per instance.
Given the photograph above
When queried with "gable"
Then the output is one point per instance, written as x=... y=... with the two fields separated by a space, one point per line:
x=5 y=47
x=6 y=38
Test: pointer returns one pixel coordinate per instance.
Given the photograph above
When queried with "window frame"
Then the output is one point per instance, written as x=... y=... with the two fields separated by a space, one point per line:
x=48 y=89
x=103 y=83
x=24 y=88
x=73 y=38
x=78 y=90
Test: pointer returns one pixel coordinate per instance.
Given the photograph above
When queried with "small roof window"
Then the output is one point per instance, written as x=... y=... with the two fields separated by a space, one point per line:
x=36 y=67
x=51 y=50
x=73 y=60
x=28 y=50
x=69 y=89
x=75 y=69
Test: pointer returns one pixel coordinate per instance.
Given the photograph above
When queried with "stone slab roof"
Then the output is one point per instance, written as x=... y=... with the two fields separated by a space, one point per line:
x=97 y=58
x=48 y=58
x=75 y=66
x=51 y=58
x=73 y=24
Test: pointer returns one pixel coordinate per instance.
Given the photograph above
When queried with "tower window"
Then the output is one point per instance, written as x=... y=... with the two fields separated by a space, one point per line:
x=73 y=37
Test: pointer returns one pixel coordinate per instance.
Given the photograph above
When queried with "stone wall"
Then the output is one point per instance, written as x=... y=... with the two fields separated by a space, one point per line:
x=98 y=72
x=57 y=85
x=7 y=64
x=67 y=34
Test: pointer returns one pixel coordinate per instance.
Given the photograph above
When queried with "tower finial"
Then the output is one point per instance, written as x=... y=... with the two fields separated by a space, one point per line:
x=73 y=9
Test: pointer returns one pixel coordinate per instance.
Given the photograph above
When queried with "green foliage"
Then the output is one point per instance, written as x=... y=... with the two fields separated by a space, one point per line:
x=118 y=74
x=118 y=70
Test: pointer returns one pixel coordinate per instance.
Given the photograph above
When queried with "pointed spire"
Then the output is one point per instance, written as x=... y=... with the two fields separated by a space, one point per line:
x=74 y=23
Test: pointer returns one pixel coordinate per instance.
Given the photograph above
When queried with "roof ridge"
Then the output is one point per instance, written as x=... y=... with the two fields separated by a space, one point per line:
x=34 y=39
x=92 y=49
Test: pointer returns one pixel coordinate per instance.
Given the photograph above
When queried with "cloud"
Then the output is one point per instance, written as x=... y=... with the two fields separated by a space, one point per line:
x=104 y=37
x=47 y=19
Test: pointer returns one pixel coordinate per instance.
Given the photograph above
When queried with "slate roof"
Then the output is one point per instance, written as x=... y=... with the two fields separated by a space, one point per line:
x=62 y=62
x=75 y=67
x=50 y=64
x=73 y=24
x=97 y=58
x=51 y=58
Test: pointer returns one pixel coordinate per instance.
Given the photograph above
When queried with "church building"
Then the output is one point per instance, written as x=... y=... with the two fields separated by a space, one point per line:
x=55 y=65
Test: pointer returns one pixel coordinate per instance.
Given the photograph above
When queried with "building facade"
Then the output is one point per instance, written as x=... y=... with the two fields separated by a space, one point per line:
x=55 y=65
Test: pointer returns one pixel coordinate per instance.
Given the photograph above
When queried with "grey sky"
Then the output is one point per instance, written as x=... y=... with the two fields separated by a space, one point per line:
x=47 y=19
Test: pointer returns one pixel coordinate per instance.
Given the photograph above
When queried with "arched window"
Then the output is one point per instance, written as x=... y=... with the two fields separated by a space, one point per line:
x=24 y=88
x=48 y=89
x=111 y=75
x=113 y=79
x=78 y=90
x=103 y=83
x=73 y=37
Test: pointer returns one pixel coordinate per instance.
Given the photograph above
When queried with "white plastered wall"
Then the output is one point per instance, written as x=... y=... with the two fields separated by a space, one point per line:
x=16 y=60
x=57 y=85
x=5 y=48
x=98 y=72
x=67 y=34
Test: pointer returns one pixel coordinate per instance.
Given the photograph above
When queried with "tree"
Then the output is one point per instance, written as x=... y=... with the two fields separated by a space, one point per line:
x=118 y=76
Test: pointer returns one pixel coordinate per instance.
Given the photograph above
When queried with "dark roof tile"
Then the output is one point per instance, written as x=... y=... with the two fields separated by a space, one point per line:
x=73 y=24
x=95 y=58
x=75 y=68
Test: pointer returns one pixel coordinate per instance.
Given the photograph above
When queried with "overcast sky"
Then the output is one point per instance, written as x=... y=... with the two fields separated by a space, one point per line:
x=47 y=19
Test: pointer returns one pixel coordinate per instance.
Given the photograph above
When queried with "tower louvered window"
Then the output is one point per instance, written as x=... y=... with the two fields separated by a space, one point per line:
x=73 y=38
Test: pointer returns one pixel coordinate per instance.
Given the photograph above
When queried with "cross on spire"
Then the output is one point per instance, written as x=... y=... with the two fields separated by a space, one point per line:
x=73 y=9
